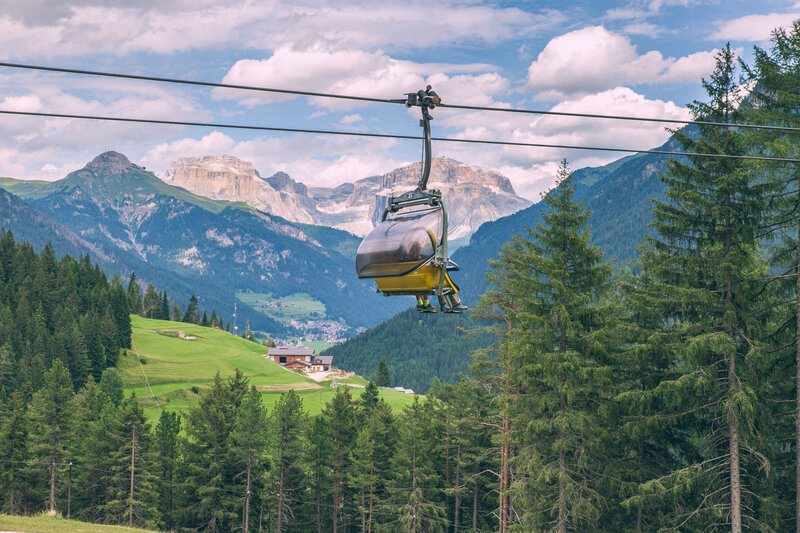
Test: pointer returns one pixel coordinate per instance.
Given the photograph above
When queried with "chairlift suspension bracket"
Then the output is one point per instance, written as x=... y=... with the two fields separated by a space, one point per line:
x=425 y=99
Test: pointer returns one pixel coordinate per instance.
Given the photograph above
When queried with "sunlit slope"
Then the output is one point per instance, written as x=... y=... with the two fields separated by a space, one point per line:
x=56 y=524
x=180 y=360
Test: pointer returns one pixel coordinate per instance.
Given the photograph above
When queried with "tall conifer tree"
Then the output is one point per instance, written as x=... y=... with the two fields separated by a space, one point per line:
x=704 y=284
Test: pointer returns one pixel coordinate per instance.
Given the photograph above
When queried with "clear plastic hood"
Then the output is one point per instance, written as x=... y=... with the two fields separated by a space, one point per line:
x=400 y=244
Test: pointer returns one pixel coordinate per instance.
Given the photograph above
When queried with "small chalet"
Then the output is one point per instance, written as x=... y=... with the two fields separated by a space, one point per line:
x=301 y=358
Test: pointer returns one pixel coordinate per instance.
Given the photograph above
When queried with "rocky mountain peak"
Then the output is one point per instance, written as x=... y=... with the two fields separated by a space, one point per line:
x=280 y=181
x=110 y=162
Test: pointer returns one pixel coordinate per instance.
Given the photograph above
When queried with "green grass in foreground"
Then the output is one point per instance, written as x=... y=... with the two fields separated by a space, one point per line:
x=180 y=369
x=56 y=524
x=298 y=306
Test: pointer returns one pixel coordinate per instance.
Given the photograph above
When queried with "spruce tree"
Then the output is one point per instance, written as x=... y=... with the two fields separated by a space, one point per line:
x=151 y=302
x=560 y=365
x=704 y=284
x=341 y=422
x=163 y=310
x=51 y=419
x=774 y=101
x=167 y=454
x=132 y=499
x=288 y=448
x=135 y=295
x=14 y=454
x=190 y=316
x=316 y=460
x=248 y=443
x=382 y=378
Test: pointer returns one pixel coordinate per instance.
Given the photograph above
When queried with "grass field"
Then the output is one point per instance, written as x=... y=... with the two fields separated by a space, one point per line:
x=319 y=346
x=180 y=367
x=56 y=524
x=298 y=306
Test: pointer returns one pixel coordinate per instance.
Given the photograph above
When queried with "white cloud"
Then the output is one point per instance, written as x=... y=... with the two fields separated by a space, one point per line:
x=532 y=169
x=48 y=148
x=335 y=160
x=52 y=28
x=351 y=119
x=160 y=156
x=753 y=27
x=359 y=73
x=594 y=59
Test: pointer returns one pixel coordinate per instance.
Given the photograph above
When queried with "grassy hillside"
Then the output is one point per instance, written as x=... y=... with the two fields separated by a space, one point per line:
x=180 y=360
x=56 y=524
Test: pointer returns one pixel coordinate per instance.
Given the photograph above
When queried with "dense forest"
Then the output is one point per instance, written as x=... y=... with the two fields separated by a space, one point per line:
x=665 y=399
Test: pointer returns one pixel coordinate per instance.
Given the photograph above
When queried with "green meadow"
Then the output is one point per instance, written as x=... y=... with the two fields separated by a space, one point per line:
x=179 y=361
x=299 y=306
x=56 y=524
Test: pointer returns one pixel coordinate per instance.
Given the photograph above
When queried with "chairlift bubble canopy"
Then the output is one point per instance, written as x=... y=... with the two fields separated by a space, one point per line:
x=400 y=244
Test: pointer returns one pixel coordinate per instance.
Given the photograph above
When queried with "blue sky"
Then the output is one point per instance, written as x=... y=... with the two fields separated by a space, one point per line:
x=643 y=58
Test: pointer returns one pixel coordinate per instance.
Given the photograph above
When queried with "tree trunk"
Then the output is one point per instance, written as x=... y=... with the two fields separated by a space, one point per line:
x=52 y=501
x=733 y=423
x=458 y=493
x=562 y=489
x=797 y=383
x=279 y=526
x=133 y=472
x=639 y=519
x=246 y=510
x=371 y=487
x=475 y=507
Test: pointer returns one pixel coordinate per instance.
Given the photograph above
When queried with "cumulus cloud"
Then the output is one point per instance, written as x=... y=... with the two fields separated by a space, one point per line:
x=753 y=27
x=532 y=169
x=356 y=72
x=54 y=28
x=593 y=59
x=335 y=160
x=48 y=148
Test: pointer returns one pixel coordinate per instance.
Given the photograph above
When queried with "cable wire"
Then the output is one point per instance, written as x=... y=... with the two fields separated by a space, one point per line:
x=392 y=101
x=395 y=136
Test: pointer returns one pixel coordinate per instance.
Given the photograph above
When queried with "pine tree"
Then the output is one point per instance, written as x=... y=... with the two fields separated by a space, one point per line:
x=288 y=447
x=166 y=445
x=704 y=279
x=204 y=321
x=151 y=302
x=14 y=454
x=382 y=378
x=209 y=468
x=317 y=453
x=248 y=443
x=112 y=386
x=341 y=422
x=190 y=316
x=415 y=499
x=177 y=314
x=363 y=476
x=135 y=295
x=773 y=101
x=561 y=365
x=163 y=310
x=132 y=496
x=50 y=417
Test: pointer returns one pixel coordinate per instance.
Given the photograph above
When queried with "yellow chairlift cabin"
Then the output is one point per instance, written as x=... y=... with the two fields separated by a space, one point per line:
x=406 y=253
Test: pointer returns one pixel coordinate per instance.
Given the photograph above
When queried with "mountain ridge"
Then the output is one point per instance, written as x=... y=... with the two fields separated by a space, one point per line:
x=473 y=194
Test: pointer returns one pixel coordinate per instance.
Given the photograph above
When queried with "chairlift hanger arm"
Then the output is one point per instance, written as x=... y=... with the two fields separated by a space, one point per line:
x=426 y=99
